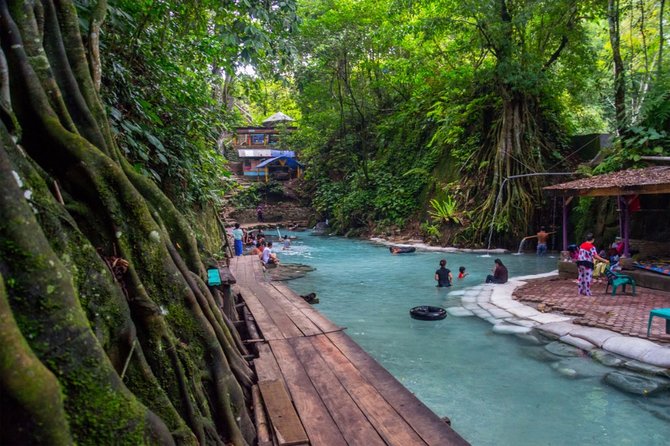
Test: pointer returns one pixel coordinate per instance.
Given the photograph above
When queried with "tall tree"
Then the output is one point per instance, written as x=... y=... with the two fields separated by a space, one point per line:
x=102 y=294
x=613 y=19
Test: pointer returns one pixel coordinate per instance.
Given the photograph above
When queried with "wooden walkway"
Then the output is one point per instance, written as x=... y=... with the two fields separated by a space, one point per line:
x=319 y=387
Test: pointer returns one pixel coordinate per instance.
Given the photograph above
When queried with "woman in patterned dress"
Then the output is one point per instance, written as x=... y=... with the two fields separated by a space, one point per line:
x=587 y=252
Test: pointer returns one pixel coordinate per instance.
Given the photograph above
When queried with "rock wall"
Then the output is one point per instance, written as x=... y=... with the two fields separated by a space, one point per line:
x=282 y=212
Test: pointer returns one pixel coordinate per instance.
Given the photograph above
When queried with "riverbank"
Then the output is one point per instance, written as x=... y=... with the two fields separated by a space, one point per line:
x=419 y=244
x=647 y=363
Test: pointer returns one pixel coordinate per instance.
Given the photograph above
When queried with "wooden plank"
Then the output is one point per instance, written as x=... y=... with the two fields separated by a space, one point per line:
x=324 y=324
x=273 y=312
x=353 y=424
x=304 y=324
x=262 y=432
x=321 y=321
x=429 y=426
x=257 y=270
x=248 y=262
x=264 y=321
x=285 y=421
x=250 y=324
x=266 y=365
x=227 y=277
x=390 y=425
x=288 y=292
x=278 y=314
x=242 y=268
x=318 y=423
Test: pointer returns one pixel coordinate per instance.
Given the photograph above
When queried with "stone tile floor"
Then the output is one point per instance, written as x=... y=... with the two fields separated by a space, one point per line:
x=623 y=313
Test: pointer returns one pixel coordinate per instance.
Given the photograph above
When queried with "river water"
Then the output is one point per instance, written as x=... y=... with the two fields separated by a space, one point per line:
x=496 y=389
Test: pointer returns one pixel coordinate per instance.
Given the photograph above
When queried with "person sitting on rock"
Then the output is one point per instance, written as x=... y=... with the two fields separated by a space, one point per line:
x=267 y=256
x=500 y=273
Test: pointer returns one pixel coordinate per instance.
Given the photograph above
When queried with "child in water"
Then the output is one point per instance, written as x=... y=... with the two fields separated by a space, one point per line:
x=461 y=272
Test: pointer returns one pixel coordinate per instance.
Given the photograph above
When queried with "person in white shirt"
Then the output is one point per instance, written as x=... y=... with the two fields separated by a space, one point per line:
x=267 y=256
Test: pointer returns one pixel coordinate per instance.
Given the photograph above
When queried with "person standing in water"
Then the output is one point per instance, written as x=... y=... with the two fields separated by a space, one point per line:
x=541 y=237
x=443 y=275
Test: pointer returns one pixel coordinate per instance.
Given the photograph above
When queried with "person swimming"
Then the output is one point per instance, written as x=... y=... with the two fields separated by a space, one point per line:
x=461 y=272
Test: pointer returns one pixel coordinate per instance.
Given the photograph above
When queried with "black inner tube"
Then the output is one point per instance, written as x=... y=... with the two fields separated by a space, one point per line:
x=428 y=313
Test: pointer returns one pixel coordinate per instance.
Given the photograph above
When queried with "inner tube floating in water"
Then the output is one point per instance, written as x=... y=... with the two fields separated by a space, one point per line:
x=427 y=313
x=401 y=249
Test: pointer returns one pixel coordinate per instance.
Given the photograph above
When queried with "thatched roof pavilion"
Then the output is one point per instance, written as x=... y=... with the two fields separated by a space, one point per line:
x=649 y=180
x=625 y=185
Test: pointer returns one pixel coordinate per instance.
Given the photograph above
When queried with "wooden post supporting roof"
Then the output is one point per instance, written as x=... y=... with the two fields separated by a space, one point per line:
x=566 y=202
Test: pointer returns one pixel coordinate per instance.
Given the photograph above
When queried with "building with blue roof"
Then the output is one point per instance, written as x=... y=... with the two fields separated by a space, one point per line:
x=259 y=150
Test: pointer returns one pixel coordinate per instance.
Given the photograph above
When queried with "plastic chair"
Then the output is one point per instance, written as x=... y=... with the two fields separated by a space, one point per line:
x=659 y=312
x=213 y=277
x=616 y=280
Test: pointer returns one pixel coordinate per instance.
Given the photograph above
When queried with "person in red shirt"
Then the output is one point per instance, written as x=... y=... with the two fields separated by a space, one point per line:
x=618 y=246
x=587 y=252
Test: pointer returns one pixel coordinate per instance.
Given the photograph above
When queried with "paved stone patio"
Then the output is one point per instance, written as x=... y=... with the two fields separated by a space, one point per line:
x=623 y=313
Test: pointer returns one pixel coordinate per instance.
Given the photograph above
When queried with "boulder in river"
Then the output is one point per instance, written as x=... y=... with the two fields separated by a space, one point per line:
x=564 y=350
x=637 y=384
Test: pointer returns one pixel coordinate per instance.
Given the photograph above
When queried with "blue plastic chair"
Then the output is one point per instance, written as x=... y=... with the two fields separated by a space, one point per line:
x=213 y=277
x=659 y=312
x=616 y=280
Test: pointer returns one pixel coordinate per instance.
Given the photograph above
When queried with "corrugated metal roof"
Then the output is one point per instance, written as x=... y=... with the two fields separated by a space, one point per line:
x=648 y=180
x=291 y=162
x=277 y=118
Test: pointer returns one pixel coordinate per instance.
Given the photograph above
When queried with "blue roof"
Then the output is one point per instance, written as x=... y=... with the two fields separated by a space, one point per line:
x=290 y=162
x=288 y=153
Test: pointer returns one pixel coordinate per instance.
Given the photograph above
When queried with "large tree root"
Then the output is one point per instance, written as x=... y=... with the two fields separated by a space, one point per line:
x=31 y=397
x=157 y=321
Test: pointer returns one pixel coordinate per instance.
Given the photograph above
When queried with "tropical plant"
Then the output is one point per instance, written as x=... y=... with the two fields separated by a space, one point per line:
x=430 y=231
x=445 y=211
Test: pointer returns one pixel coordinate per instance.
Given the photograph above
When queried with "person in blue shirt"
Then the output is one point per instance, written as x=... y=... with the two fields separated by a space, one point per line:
x=238 y=235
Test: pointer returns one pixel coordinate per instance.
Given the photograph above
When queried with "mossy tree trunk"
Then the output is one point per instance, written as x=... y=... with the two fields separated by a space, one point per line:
x=522 y=139
x=102 y=274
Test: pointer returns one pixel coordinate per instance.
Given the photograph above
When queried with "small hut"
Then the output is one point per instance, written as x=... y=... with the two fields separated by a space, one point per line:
x=626 y=187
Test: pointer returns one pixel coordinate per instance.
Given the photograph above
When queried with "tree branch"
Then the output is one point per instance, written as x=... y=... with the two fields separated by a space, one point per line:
x=97 y=18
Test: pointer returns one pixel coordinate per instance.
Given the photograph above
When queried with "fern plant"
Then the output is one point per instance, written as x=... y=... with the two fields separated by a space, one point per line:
x=445 y=211
x=430 y=231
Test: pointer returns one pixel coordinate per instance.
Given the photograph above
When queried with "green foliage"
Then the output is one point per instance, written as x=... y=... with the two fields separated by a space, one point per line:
x=649 y=137
x=582 y=217
x=430 y=231
x=250 y=196
x=167 y=70
x=445 y=211
x=246 y=198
